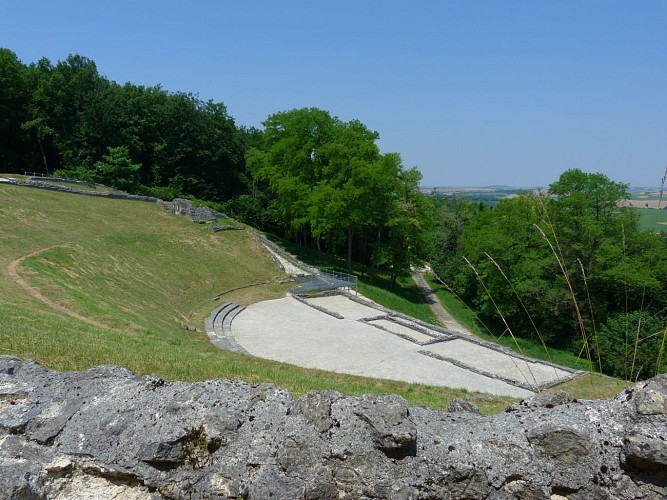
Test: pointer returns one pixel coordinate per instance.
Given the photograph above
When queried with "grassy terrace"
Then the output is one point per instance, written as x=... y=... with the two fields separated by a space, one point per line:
x=87 y=281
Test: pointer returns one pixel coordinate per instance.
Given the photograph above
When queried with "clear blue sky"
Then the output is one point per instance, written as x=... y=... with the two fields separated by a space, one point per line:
x=471 y=92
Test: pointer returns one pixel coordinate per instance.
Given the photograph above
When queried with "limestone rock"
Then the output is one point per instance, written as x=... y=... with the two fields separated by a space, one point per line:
x=180 y=206
x=458 y=404
x=565 y=443
x=543 y=401
x=651 y=396
x=105 y=433
x=645 y=457
x=203 y=214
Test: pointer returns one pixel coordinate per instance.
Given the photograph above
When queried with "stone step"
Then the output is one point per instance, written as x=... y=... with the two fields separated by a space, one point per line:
x=219 y=327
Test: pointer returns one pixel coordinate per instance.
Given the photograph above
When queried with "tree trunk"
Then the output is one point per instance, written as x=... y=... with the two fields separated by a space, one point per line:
x=350 y=233
x=375 y=266
x=364 y=233
x=46 y=165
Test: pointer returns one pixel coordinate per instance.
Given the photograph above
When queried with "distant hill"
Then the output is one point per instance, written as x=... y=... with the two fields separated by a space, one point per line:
x=490 y=195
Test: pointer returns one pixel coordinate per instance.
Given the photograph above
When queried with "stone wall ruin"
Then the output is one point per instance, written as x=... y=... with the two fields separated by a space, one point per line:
x=106 y=432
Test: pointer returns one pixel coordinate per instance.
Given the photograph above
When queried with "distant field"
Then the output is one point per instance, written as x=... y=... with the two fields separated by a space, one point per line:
x=647 y=199
x=490 y=196
x=647 y=203
x=651 y=219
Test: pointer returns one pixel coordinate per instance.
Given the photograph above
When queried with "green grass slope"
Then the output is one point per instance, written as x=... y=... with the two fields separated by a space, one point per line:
x=87 y=281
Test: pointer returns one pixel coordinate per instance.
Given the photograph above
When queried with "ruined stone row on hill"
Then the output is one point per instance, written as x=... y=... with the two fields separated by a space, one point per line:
x=105 y=433
x=177 y=206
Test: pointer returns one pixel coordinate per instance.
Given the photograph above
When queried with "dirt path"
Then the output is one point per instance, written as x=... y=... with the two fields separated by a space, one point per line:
x=12 y=270
x=447 y=320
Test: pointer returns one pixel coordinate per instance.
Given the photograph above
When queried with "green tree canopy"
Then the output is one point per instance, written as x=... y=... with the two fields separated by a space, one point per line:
x=330 y=185
x=566 y=267
x=65 y=116
x=117 y=169
x=14 y=105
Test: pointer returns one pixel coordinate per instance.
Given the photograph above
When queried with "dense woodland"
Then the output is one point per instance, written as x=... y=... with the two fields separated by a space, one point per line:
x=568 y=267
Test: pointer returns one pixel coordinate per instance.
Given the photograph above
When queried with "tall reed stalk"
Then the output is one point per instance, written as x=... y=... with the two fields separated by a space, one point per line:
x=525 y=309
x=664 y=333
x=507 y=326
x=500 y=270
x=582 y=327
x=460 y=299
x=627 y=322
x=590 y=308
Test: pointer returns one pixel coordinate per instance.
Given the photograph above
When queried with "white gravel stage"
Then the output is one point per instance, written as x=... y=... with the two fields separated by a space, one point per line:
x=292 y=331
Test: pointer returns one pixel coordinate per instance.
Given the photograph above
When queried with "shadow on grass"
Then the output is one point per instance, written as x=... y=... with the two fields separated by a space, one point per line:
x=405 y=288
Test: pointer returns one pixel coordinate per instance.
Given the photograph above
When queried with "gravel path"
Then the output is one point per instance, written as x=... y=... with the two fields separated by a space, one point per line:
x=289 y=267
x=441 y=313
x=13 y=272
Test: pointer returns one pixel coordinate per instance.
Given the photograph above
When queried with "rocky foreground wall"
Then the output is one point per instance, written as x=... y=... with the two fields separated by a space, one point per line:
x=105 y=433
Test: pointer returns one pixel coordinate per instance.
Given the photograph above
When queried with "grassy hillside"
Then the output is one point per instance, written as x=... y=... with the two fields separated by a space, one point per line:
x=87 y=281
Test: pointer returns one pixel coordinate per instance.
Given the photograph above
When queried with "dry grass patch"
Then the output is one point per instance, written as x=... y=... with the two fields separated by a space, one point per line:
x=592 y=386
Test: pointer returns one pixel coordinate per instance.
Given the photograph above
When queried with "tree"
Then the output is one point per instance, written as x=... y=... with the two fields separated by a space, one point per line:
x=594 y=195
x=314 y=165
x=446 y=221
x=66 y=116
x=516 y=279
x=568 y=266
x=198 y=152
x=67 y=99
x=630 y=345
x=586 y=214
x=14 y=102
x=117 y=170
x=39 y=130
x=38 y=124
x=402 y=229
x=291 y=163
x=340 y=201
x=329 y=185
x=592 y=229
